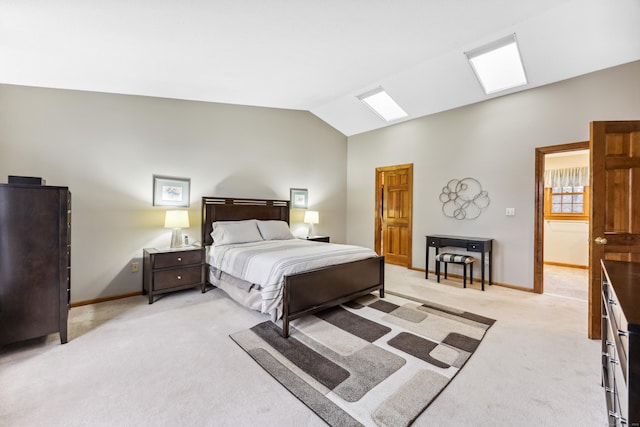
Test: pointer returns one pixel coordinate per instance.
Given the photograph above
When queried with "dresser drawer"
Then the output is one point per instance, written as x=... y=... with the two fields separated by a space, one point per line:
x=621 y=395
x=618 y=325
x=616 y=418
x=608 y=352
x=174 y=259
x=177 y=277
x=609 y=387
x=615 y=313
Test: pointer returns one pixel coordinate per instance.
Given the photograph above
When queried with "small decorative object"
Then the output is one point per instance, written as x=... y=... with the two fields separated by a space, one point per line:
x=177 y=220
x=299 y=198
x=169 y=191
x=311 y=217
x=29 y=180
x=463 y=199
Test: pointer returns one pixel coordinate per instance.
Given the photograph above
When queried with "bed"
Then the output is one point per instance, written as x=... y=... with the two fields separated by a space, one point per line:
x=304 y=292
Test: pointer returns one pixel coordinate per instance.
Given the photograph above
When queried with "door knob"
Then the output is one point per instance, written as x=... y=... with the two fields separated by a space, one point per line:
x=601 y=241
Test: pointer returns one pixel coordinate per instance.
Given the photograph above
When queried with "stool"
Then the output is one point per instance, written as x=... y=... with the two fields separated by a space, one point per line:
x=464 y=260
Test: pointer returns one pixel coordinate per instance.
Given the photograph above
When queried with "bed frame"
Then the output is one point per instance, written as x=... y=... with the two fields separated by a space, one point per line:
x=310 y=291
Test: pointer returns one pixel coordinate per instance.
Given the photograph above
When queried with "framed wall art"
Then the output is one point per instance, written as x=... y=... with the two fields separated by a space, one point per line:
x=171 y=191
x=299 y=198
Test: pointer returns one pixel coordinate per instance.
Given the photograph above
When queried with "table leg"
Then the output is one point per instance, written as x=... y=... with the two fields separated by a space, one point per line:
x=426 y=270
x=491 y=267
x=482 y=268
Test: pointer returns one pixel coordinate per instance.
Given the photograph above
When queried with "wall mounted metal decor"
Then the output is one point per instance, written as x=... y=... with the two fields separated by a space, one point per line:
x=463 y=199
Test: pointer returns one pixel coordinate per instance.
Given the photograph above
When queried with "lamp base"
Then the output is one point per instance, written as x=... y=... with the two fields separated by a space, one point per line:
x=310 y=230
x=176 y=238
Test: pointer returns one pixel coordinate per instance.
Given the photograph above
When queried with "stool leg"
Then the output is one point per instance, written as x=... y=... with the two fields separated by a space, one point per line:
x=445 y=269
x=464 y=275
x=438 y=270
x=471 y=276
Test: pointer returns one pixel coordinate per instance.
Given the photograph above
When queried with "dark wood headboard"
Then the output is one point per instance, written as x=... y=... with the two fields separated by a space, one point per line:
x=235 y=209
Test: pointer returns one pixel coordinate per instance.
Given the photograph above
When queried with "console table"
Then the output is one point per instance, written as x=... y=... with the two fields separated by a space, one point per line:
x=470 y=244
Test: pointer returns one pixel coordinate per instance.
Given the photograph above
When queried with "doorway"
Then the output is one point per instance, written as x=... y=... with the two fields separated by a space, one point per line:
x=539 y=234
x=566 y=225
x=394 y=217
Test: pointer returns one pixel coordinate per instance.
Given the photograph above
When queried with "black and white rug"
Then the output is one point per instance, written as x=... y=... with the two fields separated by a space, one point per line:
x=371 y=361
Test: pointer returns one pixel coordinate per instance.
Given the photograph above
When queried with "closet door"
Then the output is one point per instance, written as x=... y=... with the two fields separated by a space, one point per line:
x=394 y=201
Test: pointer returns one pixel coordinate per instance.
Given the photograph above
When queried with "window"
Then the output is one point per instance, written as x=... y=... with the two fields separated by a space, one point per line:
x=383 y=105
x=568 y=202
x=498 y=65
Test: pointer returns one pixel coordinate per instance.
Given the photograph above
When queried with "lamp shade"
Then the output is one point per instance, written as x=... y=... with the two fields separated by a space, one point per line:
x=176 y=219
x=311 y=217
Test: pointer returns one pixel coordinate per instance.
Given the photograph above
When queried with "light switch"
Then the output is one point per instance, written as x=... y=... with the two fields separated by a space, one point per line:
x=511 y=211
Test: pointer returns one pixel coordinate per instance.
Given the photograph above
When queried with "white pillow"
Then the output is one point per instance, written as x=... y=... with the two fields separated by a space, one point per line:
x=229 y=232
x=274 y=230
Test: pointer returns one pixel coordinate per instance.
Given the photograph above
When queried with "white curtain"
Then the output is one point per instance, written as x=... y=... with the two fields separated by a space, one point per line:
x=566 y=177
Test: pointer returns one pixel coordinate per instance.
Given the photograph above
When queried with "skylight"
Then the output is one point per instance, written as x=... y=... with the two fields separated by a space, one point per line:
x=383 y=105
x=498 y=65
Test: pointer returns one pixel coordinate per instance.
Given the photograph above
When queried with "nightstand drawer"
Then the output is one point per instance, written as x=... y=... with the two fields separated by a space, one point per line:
x=177 y=277
x=175 y=259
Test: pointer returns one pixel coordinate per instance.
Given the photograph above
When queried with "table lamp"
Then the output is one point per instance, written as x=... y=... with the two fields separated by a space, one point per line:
x=311 y=217
x=176 y=220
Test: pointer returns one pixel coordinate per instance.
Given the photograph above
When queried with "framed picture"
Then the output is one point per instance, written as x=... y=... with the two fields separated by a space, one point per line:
x=299 y=198
x=169 y=191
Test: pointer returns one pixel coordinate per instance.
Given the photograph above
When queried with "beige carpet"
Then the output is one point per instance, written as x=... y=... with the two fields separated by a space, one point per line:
x=172 y=364
x=566 y=282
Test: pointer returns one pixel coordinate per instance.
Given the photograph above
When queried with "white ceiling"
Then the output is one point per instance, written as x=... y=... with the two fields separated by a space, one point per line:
x=303 y=54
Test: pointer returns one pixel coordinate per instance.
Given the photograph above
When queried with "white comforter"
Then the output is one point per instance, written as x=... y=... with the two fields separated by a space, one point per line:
x=266 y=262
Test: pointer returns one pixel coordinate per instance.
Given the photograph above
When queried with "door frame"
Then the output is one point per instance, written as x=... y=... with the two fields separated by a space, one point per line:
x=538 y=240
x=379 y=206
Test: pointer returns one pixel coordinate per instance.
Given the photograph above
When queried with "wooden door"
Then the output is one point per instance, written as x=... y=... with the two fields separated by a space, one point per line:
x=394 y=200
x=615 y=204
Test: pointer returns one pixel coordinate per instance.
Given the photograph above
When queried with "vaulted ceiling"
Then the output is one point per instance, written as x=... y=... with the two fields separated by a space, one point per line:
x=303 y=54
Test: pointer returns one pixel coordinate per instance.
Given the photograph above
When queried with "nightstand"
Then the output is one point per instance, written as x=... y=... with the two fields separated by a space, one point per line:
x=169 y=270
x=324 y=239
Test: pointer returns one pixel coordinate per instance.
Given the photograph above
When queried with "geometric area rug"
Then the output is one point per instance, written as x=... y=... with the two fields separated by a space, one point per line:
x=370 y=361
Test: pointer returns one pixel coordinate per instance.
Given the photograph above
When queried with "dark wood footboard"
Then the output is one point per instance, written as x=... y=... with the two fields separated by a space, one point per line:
x=318 y=289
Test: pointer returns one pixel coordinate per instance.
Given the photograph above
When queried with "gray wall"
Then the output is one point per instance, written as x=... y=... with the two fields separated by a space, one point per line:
x=493 y=142
x=106 y=148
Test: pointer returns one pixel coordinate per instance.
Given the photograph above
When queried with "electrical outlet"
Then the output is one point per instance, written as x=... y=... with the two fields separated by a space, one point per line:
x=135 y=266
x=511 y=211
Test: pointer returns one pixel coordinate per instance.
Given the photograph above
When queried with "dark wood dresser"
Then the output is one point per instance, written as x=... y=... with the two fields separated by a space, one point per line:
x=35 y=261
x=621 y=341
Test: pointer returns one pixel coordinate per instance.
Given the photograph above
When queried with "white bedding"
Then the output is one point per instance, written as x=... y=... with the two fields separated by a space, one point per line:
x=265 y=263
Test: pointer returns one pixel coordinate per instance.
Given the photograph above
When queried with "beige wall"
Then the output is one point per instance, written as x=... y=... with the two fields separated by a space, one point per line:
x=493 y=142
x=106 y=148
